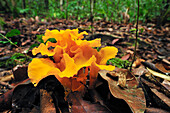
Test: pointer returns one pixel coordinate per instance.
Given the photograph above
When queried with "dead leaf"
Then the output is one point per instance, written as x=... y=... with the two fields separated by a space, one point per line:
x=56 y=90
x=152 y=100
x=5 y=73
x=37 y=19
x=7 y=78
x=155 y=110
x=126 y=57
x=27 y=42
x=160 y=75
x=126 y=16
x=163 y=97
x=5 y=100
x=166 y=84
x=139 y=71
x=46 y=102
x=35 y=32
x=132 y=95
x=161 y=67
x=25 y=97
x=78 y=105
x=137 y=62
x=156 y=72
x=20 y=72
x=114 y=41
x=121 y=79
x=152 y=82
x=130 y=52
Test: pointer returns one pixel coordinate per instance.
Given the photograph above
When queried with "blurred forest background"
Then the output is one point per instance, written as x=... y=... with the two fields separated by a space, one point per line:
x=119 y=11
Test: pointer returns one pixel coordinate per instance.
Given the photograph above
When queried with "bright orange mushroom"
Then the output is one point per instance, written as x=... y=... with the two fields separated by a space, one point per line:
x=73 y=57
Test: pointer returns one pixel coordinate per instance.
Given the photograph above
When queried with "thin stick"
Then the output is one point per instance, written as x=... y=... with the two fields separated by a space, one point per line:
x=136 y=38
x=8 y=40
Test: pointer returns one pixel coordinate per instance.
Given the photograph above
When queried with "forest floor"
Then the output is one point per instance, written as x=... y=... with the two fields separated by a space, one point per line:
x=153 y=48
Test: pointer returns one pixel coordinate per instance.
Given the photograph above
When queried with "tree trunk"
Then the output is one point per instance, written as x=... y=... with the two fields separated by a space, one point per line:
x=78 y=10
x=61 y=5
x=91 y=16
x=14 y=8
x=24 y=6
x=46 y=4
x=67 y=9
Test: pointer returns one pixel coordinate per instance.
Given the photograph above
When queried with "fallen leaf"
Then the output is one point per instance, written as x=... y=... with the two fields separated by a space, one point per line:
x=161 y=67
x=5 y=100
x=78 y=105
x=139 y=71
x=137 y=62
x=121 y=78
x=25 y=97
x=152 y=100
x=7 y=78
x=166 y=84
x=114 y=41
x=155 y=110
x=20 y=72
x=132 y=95
x=56 y=90
x=126 y=57
x=46 y=102
x=160 y=75
x=163 y=97
x=155 y=71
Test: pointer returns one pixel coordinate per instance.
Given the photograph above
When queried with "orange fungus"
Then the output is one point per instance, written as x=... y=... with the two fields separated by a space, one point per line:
x=73 y=58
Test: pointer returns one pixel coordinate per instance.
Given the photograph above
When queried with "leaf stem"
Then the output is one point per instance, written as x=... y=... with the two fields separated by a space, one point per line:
x=136 y=38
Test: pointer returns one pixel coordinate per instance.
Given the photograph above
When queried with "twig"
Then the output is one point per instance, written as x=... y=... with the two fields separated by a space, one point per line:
x=8 y=40
x=136 y=38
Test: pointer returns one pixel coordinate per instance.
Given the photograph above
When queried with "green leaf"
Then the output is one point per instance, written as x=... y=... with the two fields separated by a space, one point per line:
x=132 y=30
x=33 y=45
x=53 y=40
x=13 y=32
x=39 y=38
x=24 y=10
x=119 y=62
x=4 y=42
x=16 y=56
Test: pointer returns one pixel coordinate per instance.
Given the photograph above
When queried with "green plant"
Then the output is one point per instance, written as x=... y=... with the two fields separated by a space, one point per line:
x=2 y=23
x=12 y=33
x=80 y=9
x=15 y=59
x=39 y=38
x=119 y=63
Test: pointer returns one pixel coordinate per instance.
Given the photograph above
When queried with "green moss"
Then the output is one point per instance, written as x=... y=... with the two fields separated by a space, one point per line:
x=118 y=63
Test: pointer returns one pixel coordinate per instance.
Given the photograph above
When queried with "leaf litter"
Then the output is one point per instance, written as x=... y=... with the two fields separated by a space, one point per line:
x=153 y=48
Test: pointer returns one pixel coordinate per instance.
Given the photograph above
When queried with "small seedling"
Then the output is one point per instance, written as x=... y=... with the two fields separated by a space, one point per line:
x=15 y=59
x=119 y=63
x=12 y=33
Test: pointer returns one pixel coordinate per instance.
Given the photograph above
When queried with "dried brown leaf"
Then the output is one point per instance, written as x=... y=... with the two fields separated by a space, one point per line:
x=46 y=102
x=126 y=57
x=137 y=62
x=78 y=105
x=161 y=96
x=132 y=95
x=161 y=67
